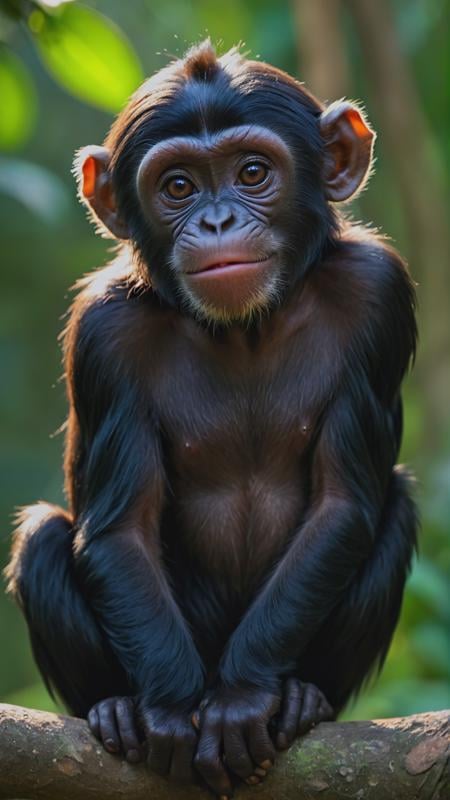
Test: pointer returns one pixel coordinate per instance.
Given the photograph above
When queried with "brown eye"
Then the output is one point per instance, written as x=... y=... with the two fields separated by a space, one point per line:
x=179 y=187
x=254 y=173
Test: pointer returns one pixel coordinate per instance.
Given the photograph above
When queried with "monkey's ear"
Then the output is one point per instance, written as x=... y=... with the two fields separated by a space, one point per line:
x=348 y=150
x=96 y=192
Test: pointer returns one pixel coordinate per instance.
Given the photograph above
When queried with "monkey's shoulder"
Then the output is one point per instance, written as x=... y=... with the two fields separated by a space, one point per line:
x=366 y=298
x=111 y=319
x=363 y=271
x=364 y=284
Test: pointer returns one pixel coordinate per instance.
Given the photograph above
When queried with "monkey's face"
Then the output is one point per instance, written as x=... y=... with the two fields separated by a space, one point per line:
x=220 y=174
x=219 y=206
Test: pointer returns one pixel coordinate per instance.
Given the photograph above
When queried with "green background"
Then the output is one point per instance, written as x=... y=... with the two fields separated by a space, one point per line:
x=61 y=77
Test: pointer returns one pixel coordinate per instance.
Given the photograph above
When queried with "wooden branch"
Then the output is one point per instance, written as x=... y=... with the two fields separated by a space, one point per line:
x=51 y=757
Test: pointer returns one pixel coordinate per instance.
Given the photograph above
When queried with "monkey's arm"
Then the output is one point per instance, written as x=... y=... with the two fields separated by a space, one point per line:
x=351 y=468
x=118 y=487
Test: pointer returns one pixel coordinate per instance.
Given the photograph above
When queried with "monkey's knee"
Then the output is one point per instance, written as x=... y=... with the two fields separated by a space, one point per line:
x=39 y=555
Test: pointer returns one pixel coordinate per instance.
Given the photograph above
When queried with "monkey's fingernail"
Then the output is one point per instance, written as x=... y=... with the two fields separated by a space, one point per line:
x=133 y=756
x=282 y=741
x=111 y=745
x=252 y=780
x=195 y=719
x=267 y=764
x=260 y=771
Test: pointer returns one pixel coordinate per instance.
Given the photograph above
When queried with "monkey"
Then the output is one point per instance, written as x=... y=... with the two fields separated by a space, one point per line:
x=231 y=563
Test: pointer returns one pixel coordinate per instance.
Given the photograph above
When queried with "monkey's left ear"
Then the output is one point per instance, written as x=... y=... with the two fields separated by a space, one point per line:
x=96 y=190
x=348 y=150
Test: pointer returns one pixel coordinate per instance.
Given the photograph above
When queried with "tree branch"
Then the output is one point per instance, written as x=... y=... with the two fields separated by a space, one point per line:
x=48 y=757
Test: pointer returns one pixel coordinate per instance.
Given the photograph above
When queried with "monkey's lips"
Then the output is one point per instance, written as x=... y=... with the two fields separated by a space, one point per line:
x=230 y=283
x=232 y=265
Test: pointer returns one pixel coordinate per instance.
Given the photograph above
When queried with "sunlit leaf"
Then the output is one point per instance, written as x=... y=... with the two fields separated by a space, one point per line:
x=36 y=188
x=87 y=54
x=18 y=102
x=53 y=3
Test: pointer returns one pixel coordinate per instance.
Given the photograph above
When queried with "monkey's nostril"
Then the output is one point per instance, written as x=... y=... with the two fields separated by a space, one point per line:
x=217 y=219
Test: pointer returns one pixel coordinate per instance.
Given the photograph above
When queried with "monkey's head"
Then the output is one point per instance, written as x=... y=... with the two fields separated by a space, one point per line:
x=220 y=173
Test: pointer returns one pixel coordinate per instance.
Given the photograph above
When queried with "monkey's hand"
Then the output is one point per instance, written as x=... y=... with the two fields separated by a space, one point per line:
x=171 y=741
x=114 y=722
x=233 y=724
x=303 y=706
x=166 y=738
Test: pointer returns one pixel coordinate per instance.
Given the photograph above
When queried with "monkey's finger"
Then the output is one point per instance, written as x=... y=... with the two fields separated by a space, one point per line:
x=93 y=722
x=325 y=709
x=126 y=724
x=309 y=714
x=160 y=747
x=261 y=746
x=109 y=733
x=181 y=768
x=235 y=749
x=290 y=712
x=207 y=760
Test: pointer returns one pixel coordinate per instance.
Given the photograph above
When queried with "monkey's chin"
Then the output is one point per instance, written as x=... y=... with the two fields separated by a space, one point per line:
x=232 y=292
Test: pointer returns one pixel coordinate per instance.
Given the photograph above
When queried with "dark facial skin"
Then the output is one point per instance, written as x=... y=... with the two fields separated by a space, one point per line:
x=231 y=565
x=220 y=200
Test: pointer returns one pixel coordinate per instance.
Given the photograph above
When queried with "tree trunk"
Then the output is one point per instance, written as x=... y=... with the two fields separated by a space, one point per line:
x=323 y=62
x=51 y=757
x=420 y=175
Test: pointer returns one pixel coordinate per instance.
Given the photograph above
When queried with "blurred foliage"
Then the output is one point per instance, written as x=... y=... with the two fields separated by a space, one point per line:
x=18 y=97
x=88 y=55
x=47 y=245
x=83 y=50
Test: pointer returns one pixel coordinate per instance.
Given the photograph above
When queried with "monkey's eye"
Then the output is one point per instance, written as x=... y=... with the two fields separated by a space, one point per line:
x=178 y=187
x=253 y=173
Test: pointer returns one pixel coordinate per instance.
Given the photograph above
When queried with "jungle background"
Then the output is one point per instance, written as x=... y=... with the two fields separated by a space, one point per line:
x=65 y=69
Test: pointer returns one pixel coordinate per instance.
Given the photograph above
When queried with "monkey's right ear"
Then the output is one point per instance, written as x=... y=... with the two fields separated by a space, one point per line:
x=95 y=190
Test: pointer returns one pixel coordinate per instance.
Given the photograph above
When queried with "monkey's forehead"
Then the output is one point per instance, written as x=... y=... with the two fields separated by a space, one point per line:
x=242 y=138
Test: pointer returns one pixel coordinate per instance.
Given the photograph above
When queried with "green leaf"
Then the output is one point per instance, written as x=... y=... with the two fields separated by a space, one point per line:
x=88 y=55
x=18 y=102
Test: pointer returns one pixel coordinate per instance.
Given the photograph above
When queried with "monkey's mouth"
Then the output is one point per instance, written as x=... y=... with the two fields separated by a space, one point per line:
x=231 y=265
x=230 y=284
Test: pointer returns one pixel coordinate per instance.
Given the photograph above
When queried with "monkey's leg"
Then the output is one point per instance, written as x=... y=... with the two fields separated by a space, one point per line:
x=69 y=647
x=355 y=638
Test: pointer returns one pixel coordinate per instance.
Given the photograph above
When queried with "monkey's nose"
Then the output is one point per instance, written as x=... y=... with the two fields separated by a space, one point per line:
x=217 y=218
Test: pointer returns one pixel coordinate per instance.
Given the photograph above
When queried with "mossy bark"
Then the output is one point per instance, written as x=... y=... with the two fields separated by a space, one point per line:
x=51 y=757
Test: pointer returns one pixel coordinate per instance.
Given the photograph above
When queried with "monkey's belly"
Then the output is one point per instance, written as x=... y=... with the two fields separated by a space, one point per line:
x=241 y=529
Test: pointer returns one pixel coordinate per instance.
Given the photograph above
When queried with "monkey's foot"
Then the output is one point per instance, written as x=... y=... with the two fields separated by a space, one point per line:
x=303 y=706
x=114 y=722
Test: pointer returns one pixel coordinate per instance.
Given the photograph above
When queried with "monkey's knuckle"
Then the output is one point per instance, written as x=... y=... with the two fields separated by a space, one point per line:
x=122 y=706
x=214 y=715
x=207 y=765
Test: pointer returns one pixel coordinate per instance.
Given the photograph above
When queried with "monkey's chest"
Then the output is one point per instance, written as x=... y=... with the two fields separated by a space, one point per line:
x=238 y=469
